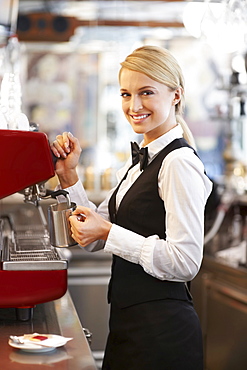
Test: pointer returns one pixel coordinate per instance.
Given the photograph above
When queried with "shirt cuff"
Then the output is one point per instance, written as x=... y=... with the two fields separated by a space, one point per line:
x=131 y=251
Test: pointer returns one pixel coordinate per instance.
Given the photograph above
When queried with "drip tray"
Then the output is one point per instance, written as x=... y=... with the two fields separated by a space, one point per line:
x=34 y=260
x=31 y=250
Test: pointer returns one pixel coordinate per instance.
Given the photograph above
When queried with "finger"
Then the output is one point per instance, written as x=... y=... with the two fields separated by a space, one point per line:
x=76 y=233
x=59 y=140
x=55 y=151
x=73 y=221
x=81 y=217
x=72 y=138
x=74 y=143
x=58 y=149
x=66 y=142
x=81 y=210
x=77 y=217
x=62 y=145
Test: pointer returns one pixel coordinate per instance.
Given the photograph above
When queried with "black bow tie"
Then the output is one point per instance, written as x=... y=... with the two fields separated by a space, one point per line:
x=139 y=155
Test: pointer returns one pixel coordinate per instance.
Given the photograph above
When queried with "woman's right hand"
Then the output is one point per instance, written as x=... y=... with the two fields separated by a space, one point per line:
x=67 y=149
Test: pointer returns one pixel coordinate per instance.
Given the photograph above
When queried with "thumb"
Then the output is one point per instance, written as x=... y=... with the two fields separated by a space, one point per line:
x=74 y=141
x=80 y=210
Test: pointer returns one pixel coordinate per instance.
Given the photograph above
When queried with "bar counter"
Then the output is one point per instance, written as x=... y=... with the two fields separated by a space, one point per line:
x=56 y=317
x=220 y=297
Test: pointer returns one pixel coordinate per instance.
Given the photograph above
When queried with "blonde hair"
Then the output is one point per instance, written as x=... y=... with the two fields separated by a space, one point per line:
x=160 y=65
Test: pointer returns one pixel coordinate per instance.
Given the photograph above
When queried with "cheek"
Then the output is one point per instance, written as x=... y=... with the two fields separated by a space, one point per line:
x=125 y=110
x=124 y=106
x=164 y=107
x=161 y=112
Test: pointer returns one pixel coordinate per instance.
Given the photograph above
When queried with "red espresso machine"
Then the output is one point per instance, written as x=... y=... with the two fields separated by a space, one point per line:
x=31 y=270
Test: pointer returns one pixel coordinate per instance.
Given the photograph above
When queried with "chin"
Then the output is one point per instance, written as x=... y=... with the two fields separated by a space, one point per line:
x=137 y=129
x=139 y=132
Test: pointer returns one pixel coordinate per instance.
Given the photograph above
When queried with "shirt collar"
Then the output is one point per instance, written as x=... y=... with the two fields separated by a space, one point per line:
x=161 y=142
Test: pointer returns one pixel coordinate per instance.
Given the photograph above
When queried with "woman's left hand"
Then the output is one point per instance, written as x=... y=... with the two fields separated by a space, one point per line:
x=88 y=226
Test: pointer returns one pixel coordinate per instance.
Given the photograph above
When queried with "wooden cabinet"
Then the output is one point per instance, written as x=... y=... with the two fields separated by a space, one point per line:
x=220 y=297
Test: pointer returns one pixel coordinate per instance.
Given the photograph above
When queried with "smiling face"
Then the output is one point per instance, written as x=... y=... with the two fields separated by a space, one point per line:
x=148 y=105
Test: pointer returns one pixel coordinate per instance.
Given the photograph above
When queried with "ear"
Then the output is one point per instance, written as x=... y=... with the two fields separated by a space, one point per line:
x=177 y=95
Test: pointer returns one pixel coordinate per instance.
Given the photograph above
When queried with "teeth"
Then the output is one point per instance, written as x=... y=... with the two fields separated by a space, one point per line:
x=140 y=117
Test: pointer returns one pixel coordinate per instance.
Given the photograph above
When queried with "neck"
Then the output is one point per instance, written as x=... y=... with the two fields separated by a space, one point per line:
x=147 y=139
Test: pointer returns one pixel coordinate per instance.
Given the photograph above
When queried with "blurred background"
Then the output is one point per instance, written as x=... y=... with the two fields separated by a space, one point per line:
x=69 y=53
x=59 y=63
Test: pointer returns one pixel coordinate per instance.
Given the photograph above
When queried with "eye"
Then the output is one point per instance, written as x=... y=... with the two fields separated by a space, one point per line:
x=124 y=95
x=147 y=92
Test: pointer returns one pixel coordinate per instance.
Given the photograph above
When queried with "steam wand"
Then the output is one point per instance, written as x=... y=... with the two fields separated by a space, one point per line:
x=37 y=192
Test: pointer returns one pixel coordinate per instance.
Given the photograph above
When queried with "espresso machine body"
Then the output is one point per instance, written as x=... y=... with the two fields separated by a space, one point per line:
x=31 y=270
x=26 y=160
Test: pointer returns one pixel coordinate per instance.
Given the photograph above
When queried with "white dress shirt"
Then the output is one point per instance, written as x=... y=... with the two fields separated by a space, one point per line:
x=184 y=188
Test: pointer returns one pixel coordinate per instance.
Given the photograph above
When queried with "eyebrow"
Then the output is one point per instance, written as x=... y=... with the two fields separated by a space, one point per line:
x=142 y=88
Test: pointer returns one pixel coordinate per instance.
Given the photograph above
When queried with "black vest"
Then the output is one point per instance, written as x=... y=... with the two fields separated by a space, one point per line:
x=142 y=211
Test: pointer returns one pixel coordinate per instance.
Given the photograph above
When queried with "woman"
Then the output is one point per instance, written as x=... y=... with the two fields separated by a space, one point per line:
x=152 y=222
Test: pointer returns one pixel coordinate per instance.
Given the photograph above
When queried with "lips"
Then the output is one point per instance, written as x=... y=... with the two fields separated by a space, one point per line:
x=139 y=117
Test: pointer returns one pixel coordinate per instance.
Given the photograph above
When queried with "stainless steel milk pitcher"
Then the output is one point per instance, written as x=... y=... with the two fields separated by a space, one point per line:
x=59 y=225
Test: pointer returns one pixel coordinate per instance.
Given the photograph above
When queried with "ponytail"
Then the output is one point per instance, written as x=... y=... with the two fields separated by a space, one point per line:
x=187 y=133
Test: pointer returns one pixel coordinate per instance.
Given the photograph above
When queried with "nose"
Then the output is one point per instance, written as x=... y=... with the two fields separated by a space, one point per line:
x=136 y=103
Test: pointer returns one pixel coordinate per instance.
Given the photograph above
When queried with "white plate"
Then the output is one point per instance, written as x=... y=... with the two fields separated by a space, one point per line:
x=35 y=347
